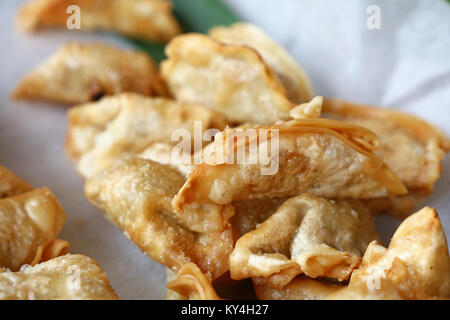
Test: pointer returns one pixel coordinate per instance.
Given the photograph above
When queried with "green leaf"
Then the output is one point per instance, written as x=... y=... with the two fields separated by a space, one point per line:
x=194 y=16
x=202 y=15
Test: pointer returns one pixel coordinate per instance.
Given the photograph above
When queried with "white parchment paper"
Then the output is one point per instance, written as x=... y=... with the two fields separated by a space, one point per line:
x=404 y=65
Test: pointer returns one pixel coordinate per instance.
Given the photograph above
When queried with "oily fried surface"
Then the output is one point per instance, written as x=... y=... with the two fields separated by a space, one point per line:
x=11 y=185
x=250 y=213
x=412 y=148
x=416 y=265
x=147 y=19
x=294 y=78
x=79 y=73
x=29 y=225
x=229 y=78
x=166 y=154
x=136 y=195
x=123 y=126
x=323 y=157
x=191 y=284
x=69 y=277
x=320 y=238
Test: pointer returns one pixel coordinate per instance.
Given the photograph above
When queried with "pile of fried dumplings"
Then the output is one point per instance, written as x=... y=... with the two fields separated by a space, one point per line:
x=305 y=231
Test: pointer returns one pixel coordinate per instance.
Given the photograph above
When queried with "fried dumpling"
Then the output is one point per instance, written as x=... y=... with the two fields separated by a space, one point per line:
x=69 y=277
x=147 y=19
x=191 y=284
x=320 y=238
x=416 y=265
x=411 y=147
x=250 y=213
x=11 y=185
x=29 y=225
x=136 y=195
x=295 y=80
x=323 y=157
x=232 y=79
x=166 y=154
x=79 y=73
x=124 y=125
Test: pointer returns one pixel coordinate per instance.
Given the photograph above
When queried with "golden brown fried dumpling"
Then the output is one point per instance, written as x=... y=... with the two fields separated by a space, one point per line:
x=147 y=19
x=250 y=213
x=232 y=79
x=69 y=277
x=124 y=125
x=136 y=195
x=166 y=154
x=79 y=73
x=191 y=284
x=295 y=80
x=29 y=225
x=320 y=238
x=11 y=185
x=415 y=266
x=411 y=147
x=322 y=157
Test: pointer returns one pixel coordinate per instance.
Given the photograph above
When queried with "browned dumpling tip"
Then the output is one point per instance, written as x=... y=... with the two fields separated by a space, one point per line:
x=191 y=284
x=125 y=125
x=136 y=195
x=323 y=157
x=147 y=19
x=416 y=265
x=232 y=79
x=29 y=225
x=79 y=73
x=320 y=238
x=411 y=147
x=294 y=78
x=69 y=277
x=11 y=185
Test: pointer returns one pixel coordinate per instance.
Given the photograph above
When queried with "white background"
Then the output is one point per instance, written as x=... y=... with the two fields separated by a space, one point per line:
x=405 y=65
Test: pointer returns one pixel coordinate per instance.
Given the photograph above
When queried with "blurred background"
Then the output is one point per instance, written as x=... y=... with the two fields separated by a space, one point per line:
x=405 y=64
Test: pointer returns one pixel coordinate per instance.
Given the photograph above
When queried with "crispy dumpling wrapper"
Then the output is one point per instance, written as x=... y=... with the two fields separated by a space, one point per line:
x=320 y=238
x=231 y=79
x=416 y=265
x=411 y=147
x=79 y=73
x=11 y=185
x=136 y=195
x=318 y=156
x=29 y=225
x=166 y=154
x=294 y=78
x=191 y=284
x=147 y=19
x=123 y=126
x=69 y=277
x=250 y=213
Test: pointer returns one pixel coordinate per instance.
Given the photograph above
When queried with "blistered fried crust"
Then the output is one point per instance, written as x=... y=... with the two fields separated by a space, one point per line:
x=29 y=225
x=79 y=73
x=11 y=185
x=250 y=213
x=136 y=195
x=320 y=238
x=123 y=126
x=69 y=277
x=415 y=266
x=294 y=78
x=192 y=284
x=166 y=154
x=411 y=147
x=147 y=19
x=323 y=157
x=232 y=79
